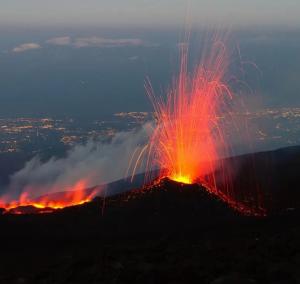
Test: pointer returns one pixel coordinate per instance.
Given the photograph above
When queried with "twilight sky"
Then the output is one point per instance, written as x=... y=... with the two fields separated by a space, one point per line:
x=150 y=13
x=91 y=57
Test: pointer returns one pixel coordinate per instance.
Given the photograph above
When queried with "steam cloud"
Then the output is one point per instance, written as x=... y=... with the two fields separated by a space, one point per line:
x=95 y=163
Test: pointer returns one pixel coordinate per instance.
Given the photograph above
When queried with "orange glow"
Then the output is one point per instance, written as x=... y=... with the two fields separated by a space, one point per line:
x=189 y=140
x=54 y=200
x=185 y=142
x=182 y=179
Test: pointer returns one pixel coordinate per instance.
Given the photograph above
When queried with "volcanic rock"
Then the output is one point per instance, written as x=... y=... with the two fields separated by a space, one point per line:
x=164 y=233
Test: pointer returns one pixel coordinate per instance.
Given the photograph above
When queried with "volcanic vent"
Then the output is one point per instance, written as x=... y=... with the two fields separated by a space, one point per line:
x=190 y=139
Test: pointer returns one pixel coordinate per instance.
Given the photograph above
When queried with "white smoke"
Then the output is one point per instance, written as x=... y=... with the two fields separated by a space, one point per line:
x=95 y=163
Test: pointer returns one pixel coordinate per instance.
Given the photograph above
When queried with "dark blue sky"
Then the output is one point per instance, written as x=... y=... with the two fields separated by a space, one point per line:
x=87 y=58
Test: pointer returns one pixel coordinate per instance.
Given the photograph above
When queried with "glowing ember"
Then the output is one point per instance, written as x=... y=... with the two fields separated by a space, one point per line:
x=54 y=200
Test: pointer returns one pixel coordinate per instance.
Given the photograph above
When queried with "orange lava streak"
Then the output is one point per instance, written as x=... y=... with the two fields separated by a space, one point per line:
x=186 y=140
x=189 y=140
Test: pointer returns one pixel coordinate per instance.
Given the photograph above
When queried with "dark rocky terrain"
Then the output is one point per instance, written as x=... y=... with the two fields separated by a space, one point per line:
x=166 y=233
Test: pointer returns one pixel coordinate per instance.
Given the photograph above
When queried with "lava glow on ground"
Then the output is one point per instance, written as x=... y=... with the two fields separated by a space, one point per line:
x=52 y=201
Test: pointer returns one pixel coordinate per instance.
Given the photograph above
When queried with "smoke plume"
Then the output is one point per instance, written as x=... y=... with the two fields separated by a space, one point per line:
x=91 y=164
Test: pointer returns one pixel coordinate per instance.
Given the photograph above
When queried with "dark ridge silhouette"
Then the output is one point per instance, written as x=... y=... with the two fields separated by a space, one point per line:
x=168 y=232
x=264 y=182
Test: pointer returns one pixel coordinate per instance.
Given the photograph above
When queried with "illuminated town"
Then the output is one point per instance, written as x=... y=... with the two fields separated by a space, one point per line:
x=36 y=135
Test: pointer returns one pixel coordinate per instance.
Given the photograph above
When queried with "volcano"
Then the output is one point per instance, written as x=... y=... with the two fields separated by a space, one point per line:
x=273 y=173
x=169 y=231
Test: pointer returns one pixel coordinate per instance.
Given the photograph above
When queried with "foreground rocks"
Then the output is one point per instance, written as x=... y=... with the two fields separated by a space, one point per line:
x=168 y=234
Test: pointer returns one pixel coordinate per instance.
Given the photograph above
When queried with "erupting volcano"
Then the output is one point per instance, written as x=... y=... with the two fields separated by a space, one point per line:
x=185 y=142
x=189 y=141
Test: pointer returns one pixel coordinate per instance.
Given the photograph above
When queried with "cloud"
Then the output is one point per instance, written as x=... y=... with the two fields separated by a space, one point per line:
x=26 y=46
x=64 y=40
x=106 y=42
x=95 y=41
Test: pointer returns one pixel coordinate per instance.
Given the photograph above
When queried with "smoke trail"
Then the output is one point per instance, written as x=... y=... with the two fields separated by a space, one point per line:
x=91 y=164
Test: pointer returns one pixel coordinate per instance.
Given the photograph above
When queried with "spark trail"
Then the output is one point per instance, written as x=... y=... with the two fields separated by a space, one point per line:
x=189 y=138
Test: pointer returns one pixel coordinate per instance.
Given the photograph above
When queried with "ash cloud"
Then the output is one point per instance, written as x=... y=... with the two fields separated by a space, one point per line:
x=91 y=164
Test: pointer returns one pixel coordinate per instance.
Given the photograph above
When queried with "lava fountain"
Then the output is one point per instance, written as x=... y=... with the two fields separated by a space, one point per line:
x=189 y=139
x=188 y=135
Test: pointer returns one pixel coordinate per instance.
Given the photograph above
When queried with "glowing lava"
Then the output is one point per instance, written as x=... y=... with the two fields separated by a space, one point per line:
x=185 y=144
x=189 y=140
x=53 y=200
x=182 y=179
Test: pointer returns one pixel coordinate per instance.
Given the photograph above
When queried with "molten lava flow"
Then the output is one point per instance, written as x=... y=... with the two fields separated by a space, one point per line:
x=189 y=139
x=55 y=200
